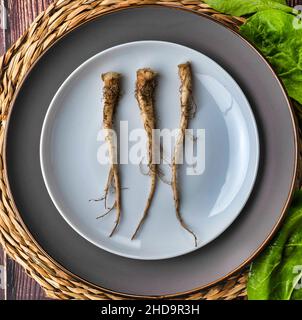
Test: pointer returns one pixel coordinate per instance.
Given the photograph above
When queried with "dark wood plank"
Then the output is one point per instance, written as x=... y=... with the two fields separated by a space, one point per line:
x=2 y=34
x=20 y=14
x=20 y=286
x=2 y=253
x=294 y=3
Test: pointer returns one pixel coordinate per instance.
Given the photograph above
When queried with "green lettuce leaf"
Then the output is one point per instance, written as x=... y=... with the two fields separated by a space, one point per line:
x=273 y=32
x=272 y=275
x=244 y=7
x=286 y=277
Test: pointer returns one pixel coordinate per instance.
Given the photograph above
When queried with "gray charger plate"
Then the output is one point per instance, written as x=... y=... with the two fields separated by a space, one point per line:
x=260 y=217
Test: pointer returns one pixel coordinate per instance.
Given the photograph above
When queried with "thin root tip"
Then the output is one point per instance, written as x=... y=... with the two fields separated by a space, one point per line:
x=134 y=235
x=112 y=232
x=114 y=229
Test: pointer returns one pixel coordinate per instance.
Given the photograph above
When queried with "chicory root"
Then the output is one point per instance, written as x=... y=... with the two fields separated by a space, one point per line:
x=185 y=75
x=145 y=87
x=111 y=94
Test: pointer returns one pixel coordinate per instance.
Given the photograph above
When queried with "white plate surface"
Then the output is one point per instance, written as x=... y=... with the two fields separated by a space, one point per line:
x=210 y=201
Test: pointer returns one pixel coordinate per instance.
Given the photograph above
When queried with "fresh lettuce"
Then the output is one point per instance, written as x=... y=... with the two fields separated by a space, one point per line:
x=276 y=274
x=245 y=7
x=274 y=33
x=274 y=29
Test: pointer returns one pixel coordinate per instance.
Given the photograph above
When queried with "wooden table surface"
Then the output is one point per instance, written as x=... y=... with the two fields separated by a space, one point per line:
x=16 y=285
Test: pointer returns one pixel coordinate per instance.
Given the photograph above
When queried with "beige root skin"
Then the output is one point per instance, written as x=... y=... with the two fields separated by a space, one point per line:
x=185 y=75
x=111 y=93
x=145 y=87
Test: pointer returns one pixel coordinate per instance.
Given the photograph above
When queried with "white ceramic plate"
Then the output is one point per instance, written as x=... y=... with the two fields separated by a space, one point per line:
x=210 y=201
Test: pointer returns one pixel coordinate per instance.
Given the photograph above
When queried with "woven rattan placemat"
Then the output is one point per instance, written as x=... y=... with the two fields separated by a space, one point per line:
x=61 y=17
